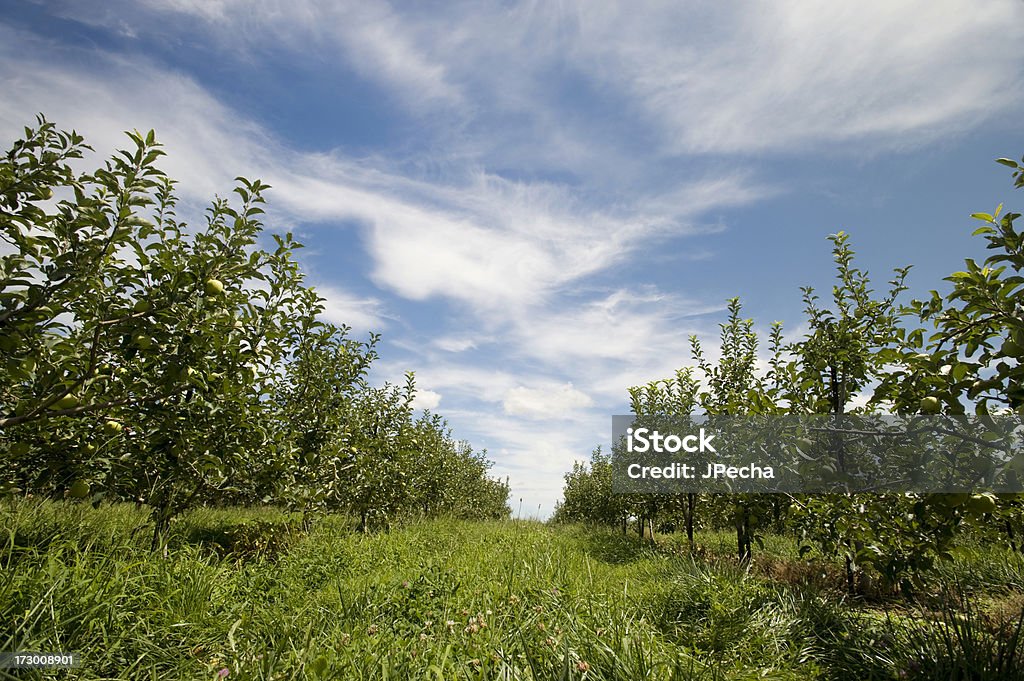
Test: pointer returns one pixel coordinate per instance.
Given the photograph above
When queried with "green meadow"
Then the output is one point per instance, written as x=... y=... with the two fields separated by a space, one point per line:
x=252 y=594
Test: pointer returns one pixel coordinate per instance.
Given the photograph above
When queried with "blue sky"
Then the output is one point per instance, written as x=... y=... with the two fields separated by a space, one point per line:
x=536 y=203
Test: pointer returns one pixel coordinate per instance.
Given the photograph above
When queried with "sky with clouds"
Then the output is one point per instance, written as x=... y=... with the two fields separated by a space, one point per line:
x=536 y=203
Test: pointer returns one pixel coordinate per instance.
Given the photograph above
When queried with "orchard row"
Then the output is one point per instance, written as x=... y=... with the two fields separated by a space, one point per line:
x=955 y=354
x=146 y=360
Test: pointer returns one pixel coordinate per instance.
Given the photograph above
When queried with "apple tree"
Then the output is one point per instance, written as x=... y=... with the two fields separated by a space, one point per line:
x=136 y=350
x=673 y=397
x=974 y=356
x=312 y=400
x=736 y=386
x=587 y=496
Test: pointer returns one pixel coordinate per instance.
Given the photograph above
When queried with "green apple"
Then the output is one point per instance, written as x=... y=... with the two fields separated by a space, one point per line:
x=79 y=489
x=44 y=194
x=142 y=341
x=213 y=287
x=930 y=405
x=112 y=428
x=982 y=503
x=69 y=401
x=142 y=306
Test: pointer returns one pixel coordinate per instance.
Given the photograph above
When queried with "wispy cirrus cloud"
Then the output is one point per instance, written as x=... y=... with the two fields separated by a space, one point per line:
x=459 y=343
x=489 y=242
x=367 y=36
x=784 y=75
x=684 y=78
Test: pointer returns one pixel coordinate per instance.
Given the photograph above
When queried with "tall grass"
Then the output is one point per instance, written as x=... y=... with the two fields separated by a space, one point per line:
x=250 y=592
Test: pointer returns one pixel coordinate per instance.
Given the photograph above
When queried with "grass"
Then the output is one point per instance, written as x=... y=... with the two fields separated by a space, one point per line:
x=248 y=591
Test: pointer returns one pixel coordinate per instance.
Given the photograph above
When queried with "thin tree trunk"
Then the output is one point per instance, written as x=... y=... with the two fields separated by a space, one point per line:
x=743 y=543
x=691 y=502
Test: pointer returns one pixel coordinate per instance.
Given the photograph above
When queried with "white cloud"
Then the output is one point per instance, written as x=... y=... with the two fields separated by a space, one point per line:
x=463 y=381
x=426 y=399
x=208 y=10
x=686 y=77
x=496 y=244
x=534 y=454
x=367 y=34
x=377 y=41
x=551 y=402
x=736 y=78
x=623 y=325
x=457 y=343
x=343 y=308
x=208 y=144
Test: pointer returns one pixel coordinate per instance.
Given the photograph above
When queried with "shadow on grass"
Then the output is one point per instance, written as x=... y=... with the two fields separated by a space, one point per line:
x=31 y=526
x=614 y=548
